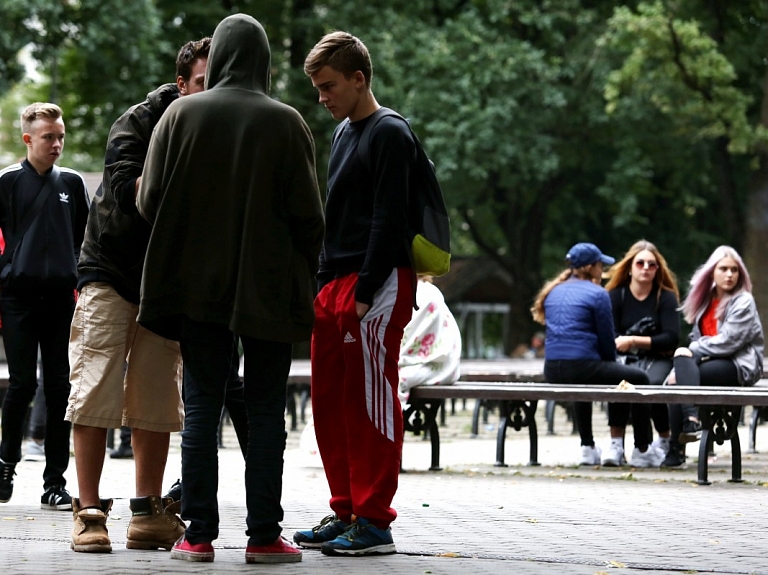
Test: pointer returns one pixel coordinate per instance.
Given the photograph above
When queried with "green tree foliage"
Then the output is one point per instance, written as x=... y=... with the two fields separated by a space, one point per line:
x=550 y=121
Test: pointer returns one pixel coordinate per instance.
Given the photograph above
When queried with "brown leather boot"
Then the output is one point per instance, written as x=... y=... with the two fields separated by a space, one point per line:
x=89 y=534
x=155 y=523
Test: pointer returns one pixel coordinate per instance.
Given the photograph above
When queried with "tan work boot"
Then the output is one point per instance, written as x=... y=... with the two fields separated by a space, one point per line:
x=155 y=523
x=89 y=535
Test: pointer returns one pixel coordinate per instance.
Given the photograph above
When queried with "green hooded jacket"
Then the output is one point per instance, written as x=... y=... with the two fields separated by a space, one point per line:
x=231 y=190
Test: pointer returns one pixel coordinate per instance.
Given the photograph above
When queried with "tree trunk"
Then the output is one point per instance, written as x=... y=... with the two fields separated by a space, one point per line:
x=757 y=222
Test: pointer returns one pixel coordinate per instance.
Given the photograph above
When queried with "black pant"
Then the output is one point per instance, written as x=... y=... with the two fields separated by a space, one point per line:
x=688 y=371
x=207 y=351
x=234 y=401
x=618 y=413
x=601 y=373
x=32 y=320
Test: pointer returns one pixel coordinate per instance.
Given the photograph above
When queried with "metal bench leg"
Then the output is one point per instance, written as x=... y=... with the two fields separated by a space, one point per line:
x=517 y=414
x=501 y=434
x=420 y=416
x=549 y=411
x=533 y=434
x=442 y=413
x=434 y=434
x=735 y=459
x=755 y=420
x=703 y=457
x=476 y=417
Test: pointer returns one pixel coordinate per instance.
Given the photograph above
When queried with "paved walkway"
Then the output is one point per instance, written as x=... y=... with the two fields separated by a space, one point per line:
x=469 y=518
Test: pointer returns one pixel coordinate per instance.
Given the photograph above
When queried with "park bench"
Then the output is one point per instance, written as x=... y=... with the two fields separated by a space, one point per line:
x=719 y=411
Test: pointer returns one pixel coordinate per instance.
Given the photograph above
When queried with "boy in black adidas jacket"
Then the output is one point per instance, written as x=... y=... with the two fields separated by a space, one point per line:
x=37 y=299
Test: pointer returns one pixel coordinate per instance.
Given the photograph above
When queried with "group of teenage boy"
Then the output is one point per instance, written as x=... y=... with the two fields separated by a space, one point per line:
x=208 y=234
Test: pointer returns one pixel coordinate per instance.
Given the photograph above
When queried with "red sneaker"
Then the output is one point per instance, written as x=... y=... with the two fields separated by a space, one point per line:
x=281 y=551
x=187 y=551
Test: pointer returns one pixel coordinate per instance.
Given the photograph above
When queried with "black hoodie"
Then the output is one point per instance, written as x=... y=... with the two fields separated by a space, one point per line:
x=231 y=189
x=117 y=236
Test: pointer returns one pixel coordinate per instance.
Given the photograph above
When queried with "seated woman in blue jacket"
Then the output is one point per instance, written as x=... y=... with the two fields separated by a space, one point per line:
x=726 y=341
x=580 y=346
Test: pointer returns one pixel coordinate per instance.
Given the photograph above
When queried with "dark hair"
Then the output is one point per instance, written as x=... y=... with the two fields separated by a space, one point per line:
x=341 y=51
x=189 y=52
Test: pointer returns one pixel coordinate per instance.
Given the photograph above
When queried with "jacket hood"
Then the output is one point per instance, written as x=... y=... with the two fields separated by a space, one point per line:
x=239 y=56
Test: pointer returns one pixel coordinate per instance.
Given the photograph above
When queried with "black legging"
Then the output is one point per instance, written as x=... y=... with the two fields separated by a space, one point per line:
x=601 y=373
x=618 y=413
x=721 y=372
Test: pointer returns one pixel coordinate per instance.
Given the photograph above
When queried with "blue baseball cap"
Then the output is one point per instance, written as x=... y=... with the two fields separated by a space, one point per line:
x=583 y=254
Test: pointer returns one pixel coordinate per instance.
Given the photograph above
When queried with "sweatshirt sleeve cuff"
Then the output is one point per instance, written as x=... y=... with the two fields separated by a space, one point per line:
x=126 y=197
x=364 y=293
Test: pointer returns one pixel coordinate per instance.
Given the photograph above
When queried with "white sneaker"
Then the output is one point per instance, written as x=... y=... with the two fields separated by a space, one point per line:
x=614 y=457
x=653 y=457
x=662 y=443
x=590 y=455
x=35 y=451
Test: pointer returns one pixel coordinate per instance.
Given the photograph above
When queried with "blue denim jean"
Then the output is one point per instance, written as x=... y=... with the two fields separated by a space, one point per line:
x=208 y=352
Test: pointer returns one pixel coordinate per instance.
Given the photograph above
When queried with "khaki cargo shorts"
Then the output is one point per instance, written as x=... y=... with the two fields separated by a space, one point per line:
x=105 y=392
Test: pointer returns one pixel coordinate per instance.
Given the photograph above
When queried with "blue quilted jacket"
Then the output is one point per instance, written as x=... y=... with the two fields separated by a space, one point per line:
x=579 y=322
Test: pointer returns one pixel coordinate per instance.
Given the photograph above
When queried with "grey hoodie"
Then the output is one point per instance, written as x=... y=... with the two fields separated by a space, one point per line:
x=231 y=190
x=739 y=337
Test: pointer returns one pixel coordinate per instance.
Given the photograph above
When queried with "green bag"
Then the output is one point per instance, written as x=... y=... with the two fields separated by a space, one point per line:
x=429 y=230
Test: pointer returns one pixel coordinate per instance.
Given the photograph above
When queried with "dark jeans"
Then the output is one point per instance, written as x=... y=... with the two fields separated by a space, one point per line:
x=32 y=320
x=234 y=401
x=618 y=413
x=208 y=352
x=720 y=372
x=601 y=373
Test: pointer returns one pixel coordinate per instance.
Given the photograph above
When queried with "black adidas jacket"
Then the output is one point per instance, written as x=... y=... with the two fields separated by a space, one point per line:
x=47 y=256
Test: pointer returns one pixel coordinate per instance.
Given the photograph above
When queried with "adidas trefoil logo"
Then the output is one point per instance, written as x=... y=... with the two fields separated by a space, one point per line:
x=63 y=197
x=349 y=339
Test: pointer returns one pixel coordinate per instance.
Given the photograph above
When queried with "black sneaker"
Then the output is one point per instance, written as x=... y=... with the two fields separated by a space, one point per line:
x=175 y=491
x=691 y=432
x=56 y=498
x=328 y=530
x=7 y=471
x=676 y=455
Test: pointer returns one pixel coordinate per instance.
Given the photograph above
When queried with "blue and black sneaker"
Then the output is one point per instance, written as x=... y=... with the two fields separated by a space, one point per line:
x=361 y=538
x=329 y=528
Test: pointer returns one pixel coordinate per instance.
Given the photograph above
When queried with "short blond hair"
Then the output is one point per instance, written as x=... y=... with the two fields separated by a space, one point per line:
x=37 y=111
x=343 y=52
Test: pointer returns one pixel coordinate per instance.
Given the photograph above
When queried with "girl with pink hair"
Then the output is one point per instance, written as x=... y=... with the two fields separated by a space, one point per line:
x=726 y=341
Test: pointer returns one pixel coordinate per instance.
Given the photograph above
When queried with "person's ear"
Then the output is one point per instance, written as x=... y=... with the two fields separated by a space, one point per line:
x=27 y=139
x=181 y=85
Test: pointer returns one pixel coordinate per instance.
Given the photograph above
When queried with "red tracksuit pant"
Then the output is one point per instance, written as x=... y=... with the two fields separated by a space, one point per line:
x=358 y=417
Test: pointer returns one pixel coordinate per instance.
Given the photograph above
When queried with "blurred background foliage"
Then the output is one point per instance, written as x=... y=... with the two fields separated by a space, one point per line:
x=550 y=121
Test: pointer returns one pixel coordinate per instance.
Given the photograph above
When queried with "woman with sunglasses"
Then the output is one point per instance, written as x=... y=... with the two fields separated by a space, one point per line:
x=726 y=341
x=644 y=299
x=580 y=347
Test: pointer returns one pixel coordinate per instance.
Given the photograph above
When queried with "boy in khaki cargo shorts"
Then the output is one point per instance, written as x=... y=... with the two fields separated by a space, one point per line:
x=105 y=394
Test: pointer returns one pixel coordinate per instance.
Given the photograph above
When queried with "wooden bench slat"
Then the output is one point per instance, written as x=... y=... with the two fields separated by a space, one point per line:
x=646 y=394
